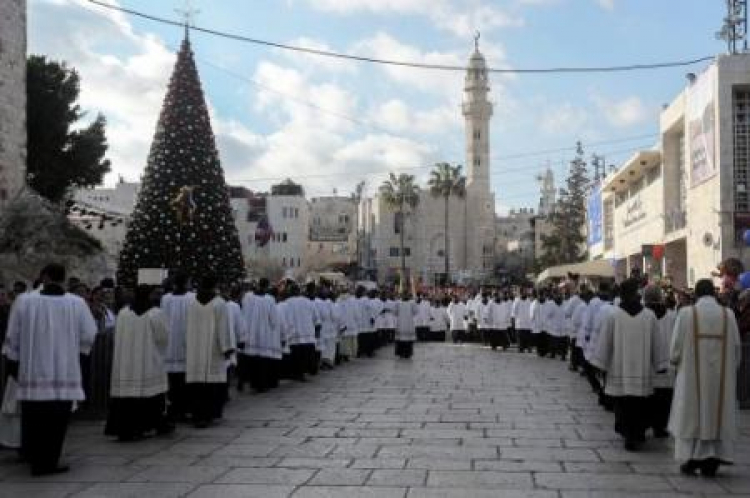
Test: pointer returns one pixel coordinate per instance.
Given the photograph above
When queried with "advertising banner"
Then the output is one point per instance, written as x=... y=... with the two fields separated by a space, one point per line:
x=702 y=127
x=594 y=216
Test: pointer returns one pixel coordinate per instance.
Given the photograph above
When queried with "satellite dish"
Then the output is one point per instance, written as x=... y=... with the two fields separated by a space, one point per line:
x=708 y=239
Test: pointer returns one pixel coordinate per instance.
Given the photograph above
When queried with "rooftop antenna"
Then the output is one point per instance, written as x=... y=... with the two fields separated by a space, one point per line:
x=734 y=29
x=188 y=13
x=477 y=35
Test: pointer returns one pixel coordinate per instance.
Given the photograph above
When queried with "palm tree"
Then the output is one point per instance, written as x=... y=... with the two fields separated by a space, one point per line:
x=446 y=181
x=400 y=193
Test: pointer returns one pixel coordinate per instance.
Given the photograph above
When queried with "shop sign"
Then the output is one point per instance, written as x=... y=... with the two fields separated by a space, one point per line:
x=634 y=212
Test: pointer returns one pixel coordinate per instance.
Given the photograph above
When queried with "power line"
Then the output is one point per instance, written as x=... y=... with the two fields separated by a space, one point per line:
x=416 y=65
x=521 y=168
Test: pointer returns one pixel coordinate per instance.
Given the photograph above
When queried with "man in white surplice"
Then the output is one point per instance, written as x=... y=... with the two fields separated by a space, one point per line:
x=706 y=351
x=207 y=347
x=47 y=332
x=262 y=353
x=627 y=349
x=175 y=305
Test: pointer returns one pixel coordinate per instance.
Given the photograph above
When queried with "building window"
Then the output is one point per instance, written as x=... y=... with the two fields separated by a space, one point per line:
x=283 y=262
x=407 y=251
x=609 y=224
x=477 y=135
x=477 y=162
x=398 y=220
x=298 y=263
x=296 y=212
x=741 y=118
x=393 y=252
x=283 y=237
x=283 y=212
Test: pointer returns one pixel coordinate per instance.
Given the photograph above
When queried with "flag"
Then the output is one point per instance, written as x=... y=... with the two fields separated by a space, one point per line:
x=263 y=232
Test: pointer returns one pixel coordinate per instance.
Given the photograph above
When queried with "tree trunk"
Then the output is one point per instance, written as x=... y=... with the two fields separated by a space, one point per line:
x=447 y=242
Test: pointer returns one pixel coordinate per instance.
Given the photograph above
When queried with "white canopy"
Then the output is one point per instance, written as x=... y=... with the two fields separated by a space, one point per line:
x=598 y=268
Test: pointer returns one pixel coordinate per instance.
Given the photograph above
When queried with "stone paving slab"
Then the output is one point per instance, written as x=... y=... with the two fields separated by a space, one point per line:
x=458 y=422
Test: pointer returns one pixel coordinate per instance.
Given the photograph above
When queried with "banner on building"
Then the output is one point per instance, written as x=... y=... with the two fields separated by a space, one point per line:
x=702 y=127
x=594 y=216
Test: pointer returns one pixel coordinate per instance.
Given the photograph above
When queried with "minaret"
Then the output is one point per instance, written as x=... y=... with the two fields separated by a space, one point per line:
x=477 y=110
x=547 y=192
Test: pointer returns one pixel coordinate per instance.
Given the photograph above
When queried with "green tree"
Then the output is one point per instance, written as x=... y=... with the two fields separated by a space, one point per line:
x=401 y=195
x=446 y=181
x=183 y=219
x=567 y=242
x=61 y=154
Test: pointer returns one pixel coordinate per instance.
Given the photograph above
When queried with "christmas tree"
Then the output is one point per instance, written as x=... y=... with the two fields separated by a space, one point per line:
x=183 y=219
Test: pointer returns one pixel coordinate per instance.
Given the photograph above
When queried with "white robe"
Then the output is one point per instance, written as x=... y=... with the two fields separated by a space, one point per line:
x=438 y=319
x=571 y=306
x=46 y=334
x=138 y=361
x=386 y=319
x=698 y=399
x=175 y=307
x=349 y=313
x=586 y=322
x=303 y=317
x=484 y=317
x=665 y=379
x=208 y=338
x=263 y=326
x=405 y=313
x=577 y=320
x=237 y=330
x=628 y=350
x=536 y=310
x=522 y=314
x=457 y=315
x=329 y=328
x=423 y=314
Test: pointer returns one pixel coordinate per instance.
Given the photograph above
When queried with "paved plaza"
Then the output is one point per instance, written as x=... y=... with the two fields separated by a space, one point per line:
x=457 y=421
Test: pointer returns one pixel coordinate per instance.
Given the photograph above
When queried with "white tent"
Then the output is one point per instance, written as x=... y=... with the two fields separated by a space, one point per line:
x=598 y=268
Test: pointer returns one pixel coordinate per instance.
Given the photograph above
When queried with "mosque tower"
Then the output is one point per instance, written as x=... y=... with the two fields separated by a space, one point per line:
x=480 y=206
x=477 y=110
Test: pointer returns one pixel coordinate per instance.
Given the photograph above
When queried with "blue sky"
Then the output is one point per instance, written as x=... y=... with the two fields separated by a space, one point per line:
x=266 y=103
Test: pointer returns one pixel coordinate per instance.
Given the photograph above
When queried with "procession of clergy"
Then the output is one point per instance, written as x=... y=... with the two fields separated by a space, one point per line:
x=654 y=366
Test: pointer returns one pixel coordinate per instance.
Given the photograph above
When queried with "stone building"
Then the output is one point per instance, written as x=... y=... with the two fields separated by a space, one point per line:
x=332 y=240
x=12 y=99
x=471 y=233
x=680 y=209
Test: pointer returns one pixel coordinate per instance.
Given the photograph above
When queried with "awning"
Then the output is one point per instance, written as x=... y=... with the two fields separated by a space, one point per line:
x=598 y=268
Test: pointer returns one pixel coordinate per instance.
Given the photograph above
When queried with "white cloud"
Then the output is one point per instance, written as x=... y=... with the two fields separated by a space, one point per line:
x=452 y=16
x=564 y=119
x=311 y=62
x=396 y=116
x=623 y=113
x=606 y=4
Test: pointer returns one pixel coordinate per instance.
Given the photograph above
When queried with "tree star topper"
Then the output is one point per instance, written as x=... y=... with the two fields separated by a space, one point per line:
x=188 y=13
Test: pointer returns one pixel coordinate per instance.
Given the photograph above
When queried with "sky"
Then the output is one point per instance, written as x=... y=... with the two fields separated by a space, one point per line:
x=329 y=124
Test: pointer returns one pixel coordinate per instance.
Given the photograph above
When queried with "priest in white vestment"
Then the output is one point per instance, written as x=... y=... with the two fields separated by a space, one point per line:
x=406 y=311
x=139 y=379
x=175 y=305
x=627 y=349
x=521 y=314
x=706 y=351
x=348 y=311
x=303 y=320
x=208 y=345
x=47 y=333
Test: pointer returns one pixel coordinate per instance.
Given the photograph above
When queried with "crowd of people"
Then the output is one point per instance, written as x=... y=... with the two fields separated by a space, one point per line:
x=177 y=347
x=661 y=364
x=664 y=363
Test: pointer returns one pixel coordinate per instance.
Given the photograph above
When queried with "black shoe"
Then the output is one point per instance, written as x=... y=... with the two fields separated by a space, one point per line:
x=631 y=446
x=689 y=468
x=710 y=467
x=60 y=469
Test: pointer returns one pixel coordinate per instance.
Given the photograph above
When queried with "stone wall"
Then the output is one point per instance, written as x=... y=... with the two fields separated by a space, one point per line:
x=12 y=98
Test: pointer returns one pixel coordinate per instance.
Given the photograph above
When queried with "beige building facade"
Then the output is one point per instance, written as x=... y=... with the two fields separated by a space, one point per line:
x=677 y=211
x=12 y=99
